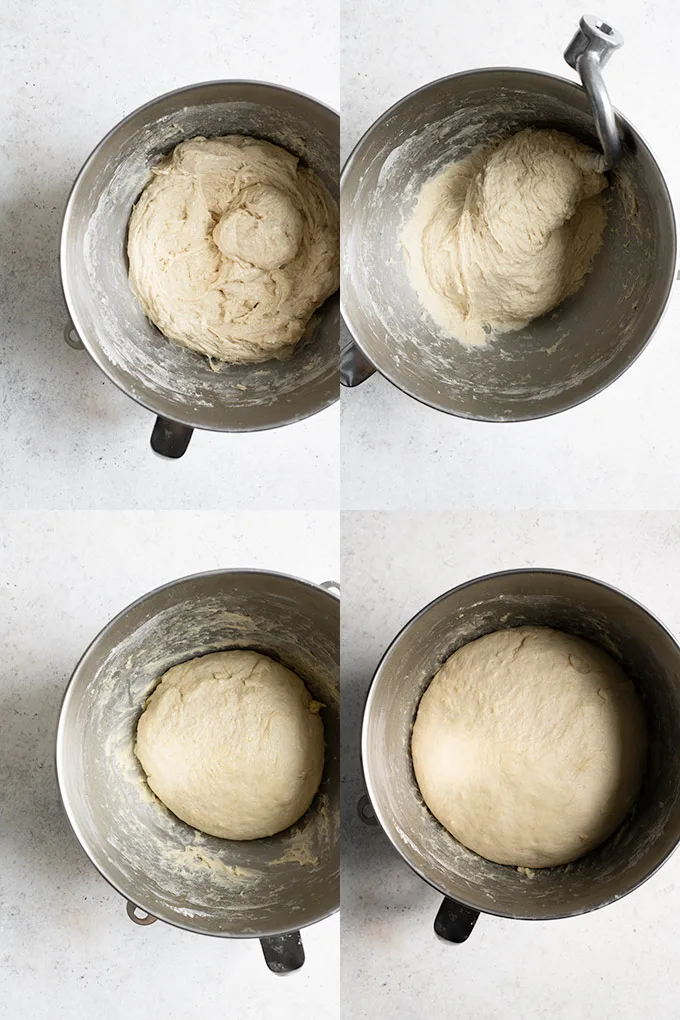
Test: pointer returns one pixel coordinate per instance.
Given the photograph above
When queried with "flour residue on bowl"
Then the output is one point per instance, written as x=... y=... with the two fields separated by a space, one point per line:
x=219 y=886
x=405 y=673
x=300 y=849
x=195 y=856
x=161 y=374
x=560 y=358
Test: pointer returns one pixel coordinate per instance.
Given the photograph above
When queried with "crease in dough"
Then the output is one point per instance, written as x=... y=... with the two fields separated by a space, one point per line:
x=232 y=247
x=506 y=234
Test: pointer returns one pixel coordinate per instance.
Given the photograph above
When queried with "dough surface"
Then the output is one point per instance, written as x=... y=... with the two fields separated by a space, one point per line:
x=506 y=234
x=232 y=743
x=232 y=247
x=529 y=746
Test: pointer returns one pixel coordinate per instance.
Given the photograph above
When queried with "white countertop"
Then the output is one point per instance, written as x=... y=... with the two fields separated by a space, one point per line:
x=69 y=73
x=618 y=963
x=68 y=947
x=87 y=536
x=617 y=449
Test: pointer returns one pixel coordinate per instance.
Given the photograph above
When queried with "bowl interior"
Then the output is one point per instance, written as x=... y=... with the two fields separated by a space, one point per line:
x=160 y=374
x=567 y=602
x=200 y=882
x=557 y=360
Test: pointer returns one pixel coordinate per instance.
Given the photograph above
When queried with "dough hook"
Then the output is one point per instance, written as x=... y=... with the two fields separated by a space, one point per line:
x=587 y=53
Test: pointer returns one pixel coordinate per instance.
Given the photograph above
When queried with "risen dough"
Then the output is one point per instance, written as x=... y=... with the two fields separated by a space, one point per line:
x=232 y=743
x=506 y=234
x=232 y=247
x=529 y=746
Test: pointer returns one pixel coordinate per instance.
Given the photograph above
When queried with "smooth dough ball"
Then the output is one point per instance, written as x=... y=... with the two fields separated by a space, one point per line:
x=506 y=234
x=232 y=743
x=232 y=247
x=529 y=746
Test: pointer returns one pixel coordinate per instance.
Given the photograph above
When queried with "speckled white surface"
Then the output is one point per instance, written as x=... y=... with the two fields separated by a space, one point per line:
x=619 y=963
x=69 y=73
x=615 y=450
x=68 y=947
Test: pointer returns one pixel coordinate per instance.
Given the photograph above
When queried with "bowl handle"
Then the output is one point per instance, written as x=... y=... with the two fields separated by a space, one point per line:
x=71 y=337
x=138 y=915
x=355 y=367
x=283 y=953
x=365 y=810
x=454 y=922
x=170 y=439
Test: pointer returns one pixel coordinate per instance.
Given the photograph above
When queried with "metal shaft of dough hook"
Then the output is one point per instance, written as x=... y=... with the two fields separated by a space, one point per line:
x=587 y=53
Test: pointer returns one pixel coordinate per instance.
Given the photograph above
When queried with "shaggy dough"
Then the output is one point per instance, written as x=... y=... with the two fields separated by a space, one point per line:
x=232 y=743
x=506 y=234
x=232 y=247
x=529 y=746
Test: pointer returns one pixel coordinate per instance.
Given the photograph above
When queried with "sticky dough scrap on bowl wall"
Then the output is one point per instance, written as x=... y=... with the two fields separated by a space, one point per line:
x=504 y=235
x=529 y=746
x=232 y=743
x=232 y=248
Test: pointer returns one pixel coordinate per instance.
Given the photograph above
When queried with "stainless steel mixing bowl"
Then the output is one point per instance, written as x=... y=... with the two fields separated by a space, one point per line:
x=261 y=888
x=557 y=361
x=177 y=384
x=569 y=602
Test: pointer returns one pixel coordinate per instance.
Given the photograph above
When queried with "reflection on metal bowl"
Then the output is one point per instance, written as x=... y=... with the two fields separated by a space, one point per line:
x=568 y=602
x=556 y=361
x=177 y=384
x=260 y=888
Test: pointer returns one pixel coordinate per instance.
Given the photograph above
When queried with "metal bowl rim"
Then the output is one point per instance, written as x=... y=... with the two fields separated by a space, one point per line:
x=101 y=363
x=547 y=571
x=65 y=701
x=352 y=158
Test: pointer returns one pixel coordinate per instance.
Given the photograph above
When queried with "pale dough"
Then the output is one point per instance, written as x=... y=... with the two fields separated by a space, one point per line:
x=232 y=743
x=529 y=746
x=506 y=234
x=232 y=247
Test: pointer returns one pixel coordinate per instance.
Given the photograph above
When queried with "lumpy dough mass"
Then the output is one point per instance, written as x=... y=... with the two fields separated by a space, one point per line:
x=529 y=746
x=232 y=743
x=232 y=247
x=506 y=234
